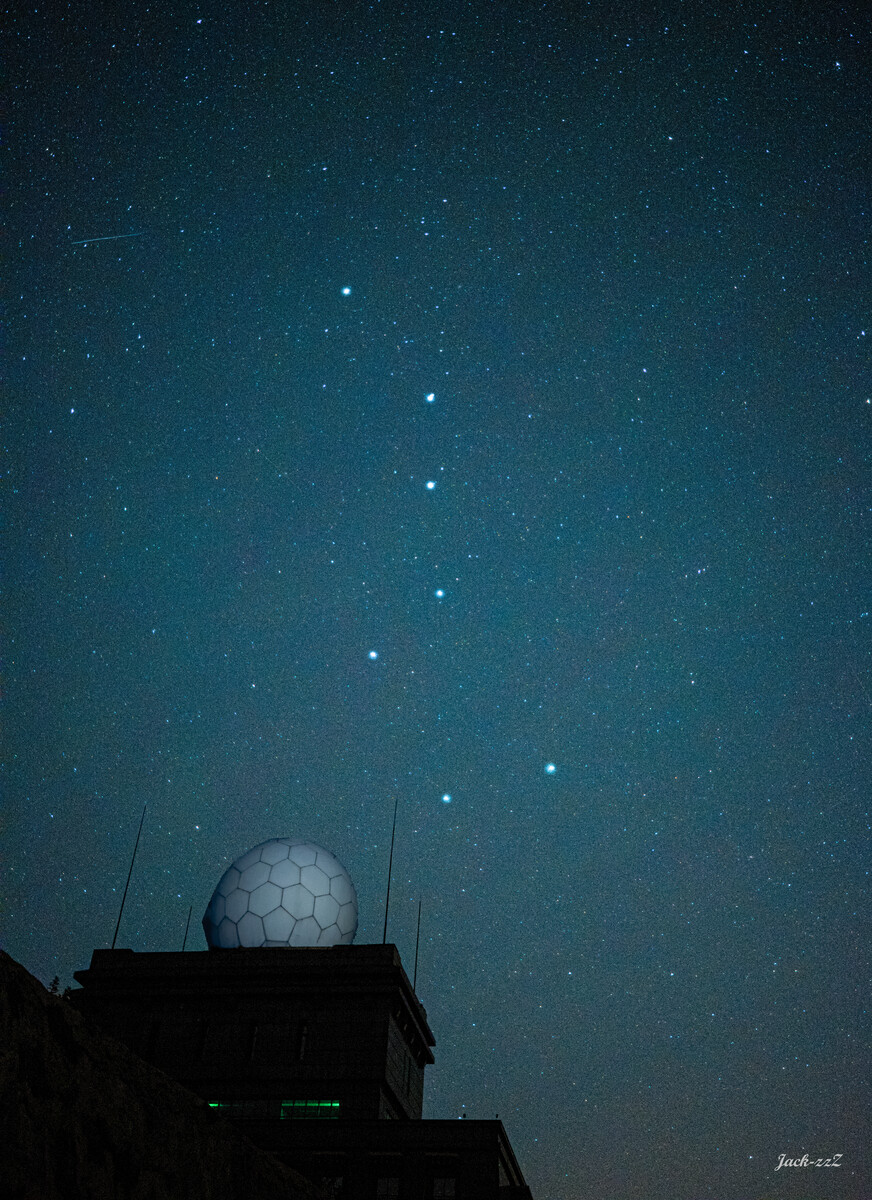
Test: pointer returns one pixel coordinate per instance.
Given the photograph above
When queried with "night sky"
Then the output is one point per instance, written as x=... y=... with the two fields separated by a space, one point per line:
x=471 y=407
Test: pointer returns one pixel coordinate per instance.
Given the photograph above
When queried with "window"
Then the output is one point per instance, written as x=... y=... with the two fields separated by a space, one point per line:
x=202 y=1040
x=151 y=1040
x=257 y=1109
x=333 y=1185
x=444 y=1187
x=274 y=1043
x=387 y=1186
x=310 y=1110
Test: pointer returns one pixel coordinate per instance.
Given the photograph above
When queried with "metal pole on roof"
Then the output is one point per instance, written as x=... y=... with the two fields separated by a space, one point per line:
x=390 y=868
x=129 y=873
x=417 y=944
x=187 y=927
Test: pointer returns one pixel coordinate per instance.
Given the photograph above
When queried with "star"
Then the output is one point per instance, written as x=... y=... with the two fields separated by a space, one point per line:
x=373 y=654
x=431 y=483
x=439 y=593
x=346 y=291
x=446 y=798
x=550 y=768
x=430 y=397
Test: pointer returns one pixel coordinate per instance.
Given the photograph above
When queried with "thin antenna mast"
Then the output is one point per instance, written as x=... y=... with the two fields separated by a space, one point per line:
x=129 y=873
x=187 y=927
x=417 y=944
x=390 y=868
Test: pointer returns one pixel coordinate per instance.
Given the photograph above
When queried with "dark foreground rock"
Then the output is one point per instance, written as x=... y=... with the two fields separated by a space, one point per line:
x=82 y=1118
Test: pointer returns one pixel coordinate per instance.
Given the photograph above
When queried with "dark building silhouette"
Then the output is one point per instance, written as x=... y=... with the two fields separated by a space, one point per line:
x=319 y=1054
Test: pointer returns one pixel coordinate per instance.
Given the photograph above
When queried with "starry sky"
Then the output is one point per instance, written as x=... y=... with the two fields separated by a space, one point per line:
x=464 y=404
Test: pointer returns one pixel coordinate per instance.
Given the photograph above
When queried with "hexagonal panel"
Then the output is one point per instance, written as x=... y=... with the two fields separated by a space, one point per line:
x=330 y=936
x=341 y=888
x=326 y=911
x=216 y=911
x=302 y=855
x=273 y=852
x=315 y=880
x=249 y=858
x=236 y=905
x=328 y=863
x=250 y=930
x=298 y=901
x=228 y=937
x=277 y=926
x=229 y=881
x=254 y=876
x=347 y=919
x=284 y=873
x=264 y=899
x=306 y=932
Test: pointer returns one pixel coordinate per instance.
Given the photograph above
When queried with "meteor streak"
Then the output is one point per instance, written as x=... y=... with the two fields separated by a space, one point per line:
x=111 y=237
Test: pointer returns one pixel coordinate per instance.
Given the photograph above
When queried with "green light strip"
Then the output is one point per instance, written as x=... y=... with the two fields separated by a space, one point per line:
x=294 y=1109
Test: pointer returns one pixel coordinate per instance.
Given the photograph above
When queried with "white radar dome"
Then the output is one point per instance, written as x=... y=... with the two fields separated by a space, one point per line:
x=284 y=892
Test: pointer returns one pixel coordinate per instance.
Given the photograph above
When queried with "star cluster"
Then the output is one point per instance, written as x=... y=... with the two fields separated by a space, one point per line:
x=466 y=405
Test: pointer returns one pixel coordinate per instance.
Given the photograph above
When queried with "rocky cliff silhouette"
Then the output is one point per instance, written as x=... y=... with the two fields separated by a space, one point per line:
x=82 y=1118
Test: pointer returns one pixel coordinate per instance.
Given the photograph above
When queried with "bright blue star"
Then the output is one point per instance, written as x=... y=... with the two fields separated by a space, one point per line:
x=550 y=768
x=373 y=654
x=346 y=291
x=446 y=798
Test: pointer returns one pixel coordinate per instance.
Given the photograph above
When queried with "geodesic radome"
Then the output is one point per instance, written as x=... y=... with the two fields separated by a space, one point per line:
x=284 y=892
